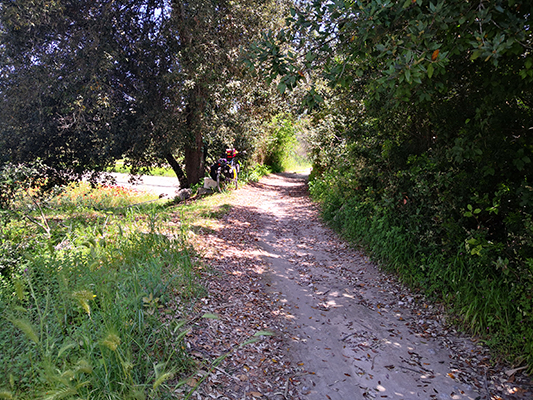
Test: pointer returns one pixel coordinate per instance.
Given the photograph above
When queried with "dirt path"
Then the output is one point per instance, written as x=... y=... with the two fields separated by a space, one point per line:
x=343 y=329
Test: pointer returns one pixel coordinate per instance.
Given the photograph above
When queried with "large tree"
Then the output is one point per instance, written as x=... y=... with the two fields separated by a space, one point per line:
x=83 y=83
x=57 y=83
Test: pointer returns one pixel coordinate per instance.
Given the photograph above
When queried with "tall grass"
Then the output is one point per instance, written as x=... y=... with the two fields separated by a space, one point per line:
x=89 y=308
x=80 y=196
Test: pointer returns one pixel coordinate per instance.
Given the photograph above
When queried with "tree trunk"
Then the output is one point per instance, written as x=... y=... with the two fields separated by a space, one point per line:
x=194 y=152
x=184 y=182
x=194 y=160
x=186 y=25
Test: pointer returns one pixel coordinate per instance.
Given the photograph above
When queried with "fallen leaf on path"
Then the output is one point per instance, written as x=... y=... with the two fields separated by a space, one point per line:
x=192 y=382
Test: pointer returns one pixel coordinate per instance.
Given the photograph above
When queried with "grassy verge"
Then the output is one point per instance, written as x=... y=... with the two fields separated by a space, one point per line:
x=96 y=288
x=92 y=297
x=155 y=171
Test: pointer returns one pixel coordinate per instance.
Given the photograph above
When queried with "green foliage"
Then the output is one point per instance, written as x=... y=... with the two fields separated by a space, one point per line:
x=278 y=146
x=84 y=307
x=255 y=173
x=85 y=83
x=410 y=50
x=17 y=178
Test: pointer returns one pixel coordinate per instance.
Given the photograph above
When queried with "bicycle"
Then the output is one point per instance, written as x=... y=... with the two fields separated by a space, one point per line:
x=226 y=171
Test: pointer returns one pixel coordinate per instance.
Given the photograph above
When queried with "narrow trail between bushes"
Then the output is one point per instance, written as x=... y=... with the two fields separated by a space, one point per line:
x=342 y=328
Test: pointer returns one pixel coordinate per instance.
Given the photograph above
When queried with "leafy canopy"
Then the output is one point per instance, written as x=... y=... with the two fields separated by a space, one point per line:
x=401 y=49
x=83 y=83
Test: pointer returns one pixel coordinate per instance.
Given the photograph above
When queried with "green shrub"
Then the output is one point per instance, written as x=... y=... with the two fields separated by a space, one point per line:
x=255 y=173
x=279 y=146
x=17 y=178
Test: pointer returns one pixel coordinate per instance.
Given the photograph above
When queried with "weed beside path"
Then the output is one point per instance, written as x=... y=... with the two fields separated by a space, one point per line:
x=92 y=293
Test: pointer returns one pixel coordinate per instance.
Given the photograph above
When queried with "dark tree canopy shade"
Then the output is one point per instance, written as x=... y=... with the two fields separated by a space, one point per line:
x=83 y=83
x=449 y=81
x=57 y=84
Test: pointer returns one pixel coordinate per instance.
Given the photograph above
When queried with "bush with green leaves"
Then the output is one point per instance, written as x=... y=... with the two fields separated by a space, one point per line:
x=279 y=144
x=15 y=178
